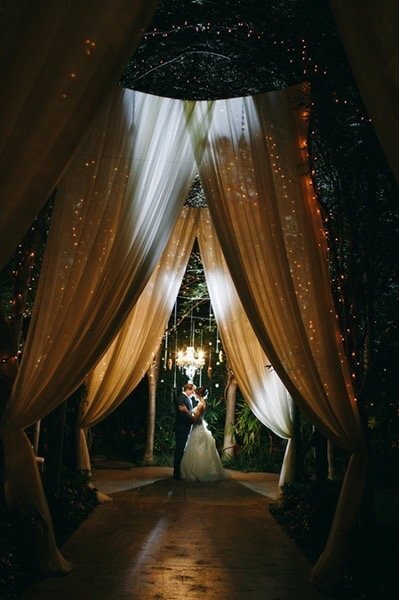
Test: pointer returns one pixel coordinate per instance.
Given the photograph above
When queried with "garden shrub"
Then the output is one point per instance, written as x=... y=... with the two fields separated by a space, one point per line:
x=71 y=505
x=306 y=513
x=17 y=570
x=370 y=569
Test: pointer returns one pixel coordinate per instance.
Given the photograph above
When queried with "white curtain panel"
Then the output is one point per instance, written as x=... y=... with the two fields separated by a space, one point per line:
x=58 y=62
x=259 y=383
x=128 y=358
x=255 y=174
x=114 y=213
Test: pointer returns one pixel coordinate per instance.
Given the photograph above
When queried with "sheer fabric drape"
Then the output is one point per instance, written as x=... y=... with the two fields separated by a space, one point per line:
x=370 y=33
x=114 y=213
x=255 y=176
x=129 y=357
x=57 y=63
x=259 y=383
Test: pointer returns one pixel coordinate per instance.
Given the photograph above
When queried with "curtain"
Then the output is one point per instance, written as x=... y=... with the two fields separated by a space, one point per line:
x=128 y=358
x=256 y=178
x=57 y=63
x=259 y=383
x=114 y=213
x=370 y=32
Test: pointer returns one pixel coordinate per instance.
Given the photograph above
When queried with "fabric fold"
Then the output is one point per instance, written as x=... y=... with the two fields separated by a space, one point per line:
x=255 y=174
x=258 y=382
x=113 y=216
x=129 y=357
x=58 y=63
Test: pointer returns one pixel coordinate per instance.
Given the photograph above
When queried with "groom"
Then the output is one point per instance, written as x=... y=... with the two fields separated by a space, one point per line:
x=183 y=424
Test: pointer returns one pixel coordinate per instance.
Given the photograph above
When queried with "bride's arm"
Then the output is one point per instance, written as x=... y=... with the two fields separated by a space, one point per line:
x=198 y=412
x=184 y=409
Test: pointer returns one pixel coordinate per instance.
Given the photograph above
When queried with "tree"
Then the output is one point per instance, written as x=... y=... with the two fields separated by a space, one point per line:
x=230 y=401
x=153 y=375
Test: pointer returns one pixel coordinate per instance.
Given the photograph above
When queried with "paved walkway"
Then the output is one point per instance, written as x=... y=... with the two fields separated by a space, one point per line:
x=162 y=539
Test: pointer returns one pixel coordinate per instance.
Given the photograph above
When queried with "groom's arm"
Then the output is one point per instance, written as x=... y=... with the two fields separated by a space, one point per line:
x=193 y=416
x=183 y=408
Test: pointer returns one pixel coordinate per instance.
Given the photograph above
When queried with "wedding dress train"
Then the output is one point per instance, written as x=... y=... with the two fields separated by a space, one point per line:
x=201 y=460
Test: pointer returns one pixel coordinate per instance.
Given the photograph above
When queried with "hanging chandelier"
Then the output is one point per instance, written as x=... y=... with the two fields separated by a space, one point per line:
x=191 y=361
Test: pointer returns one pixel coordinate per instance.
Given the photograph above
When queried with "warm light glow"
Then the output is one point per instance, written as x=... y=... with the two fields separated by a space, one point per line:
x=190 y=360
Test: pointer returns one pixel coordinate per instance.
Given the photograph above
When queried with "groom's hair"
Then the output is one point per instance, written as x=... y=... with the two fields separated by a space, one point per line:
x=188 y=386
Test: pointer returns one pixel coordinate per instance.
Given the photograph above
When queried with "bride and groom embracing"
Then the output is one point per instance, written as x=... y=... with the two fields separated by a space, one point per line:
x=196 y=456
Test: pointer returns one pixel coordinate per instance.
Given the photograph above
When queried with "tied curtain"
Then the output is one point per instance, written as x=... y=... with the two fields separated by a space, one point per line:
x=129 y=357
x=57 y=63
x=114 y=213
x=255 y=174
x=259 y=384
x=370 y=32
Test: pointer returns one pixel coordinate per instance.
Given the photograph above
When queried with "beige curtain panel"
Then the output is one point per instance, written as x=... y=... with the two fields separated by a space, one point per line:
x=129 y=357
x=370 y=33
x=259 y=383
x=256 y=178
x=57 y=63
x=114 y=214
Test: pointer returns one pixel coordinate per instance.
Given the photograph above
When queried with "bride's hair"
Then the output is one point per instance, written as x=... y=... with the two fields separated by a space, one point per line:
x=202 y=391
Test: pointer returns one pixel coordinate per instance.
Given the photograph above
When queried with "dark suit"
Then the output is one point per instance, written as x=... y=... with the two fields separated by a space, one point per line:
x=182 y=429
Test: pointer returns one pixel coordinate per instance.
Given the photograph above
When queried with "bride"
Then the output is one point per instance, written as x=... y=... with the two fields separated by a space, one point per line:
x=201 y=460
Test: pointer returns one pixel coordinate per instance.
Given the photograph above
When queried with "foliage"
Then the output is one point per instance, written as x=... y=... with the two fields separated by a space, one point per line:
x=258 y=460
x=72 y=503
x=17 y=570
x=215 y=417
x=164 y=441
x=21 y=273
x=206 y=50
x=370 y=569
x=247 y=429
x=257 y=448
x=123 y=434
x=306 y=514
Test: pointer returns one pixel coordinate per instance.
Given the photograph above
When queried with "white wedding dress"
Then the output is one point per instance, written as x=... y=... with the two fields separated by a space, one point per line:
x=201 y=460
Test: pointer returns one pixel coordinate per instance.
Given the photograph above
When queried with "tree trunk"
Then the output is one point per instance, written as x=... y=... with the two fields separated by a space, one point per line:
x=152 y=375
x=230 y=400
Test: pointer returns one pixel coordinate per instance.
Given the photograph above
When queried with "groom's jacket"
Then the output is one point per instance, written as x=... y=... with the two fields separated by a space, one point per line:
x=183 y=422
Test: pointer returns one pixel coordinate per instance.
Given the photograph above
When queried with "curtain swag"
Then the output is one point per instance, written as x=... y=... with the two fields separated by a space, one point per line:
x=116 y=254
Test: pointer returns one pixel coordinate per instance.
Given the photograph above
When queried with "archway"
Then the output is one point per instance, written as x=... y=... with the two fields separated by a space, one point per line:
x=251 y=155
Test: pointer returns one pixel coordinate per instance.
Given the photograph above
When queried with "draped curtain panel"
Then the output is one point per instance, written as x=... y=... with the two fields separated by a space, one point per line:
x=57 y=63
x=114 y=214
x=259 y=383
x=256 y=178
x=370 y=33
x=128 y=358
